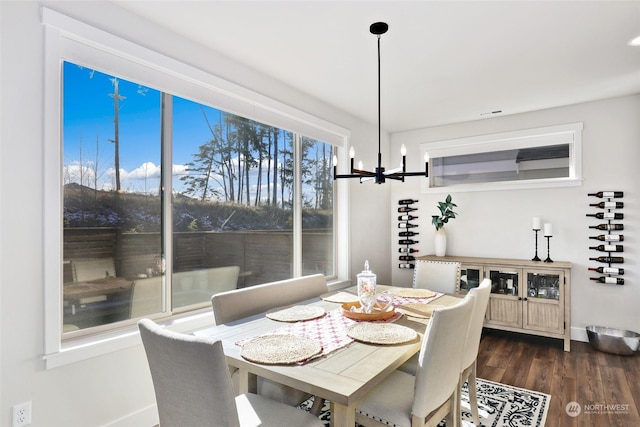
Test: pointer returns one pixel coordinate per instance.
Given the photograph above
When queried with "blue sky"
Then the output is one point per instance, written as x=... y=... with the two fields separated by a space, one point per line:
x=89 y=120
x=89 y=129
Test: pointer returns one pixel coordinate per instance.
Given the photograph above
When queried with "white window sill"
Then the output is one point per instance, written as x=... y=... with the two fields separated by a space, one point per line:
x=507 y=185
x=87 y=348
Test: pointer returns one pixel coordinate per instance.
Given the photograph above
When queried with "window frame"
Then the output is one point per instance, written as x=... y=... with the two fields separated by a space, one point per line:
x=570 y=134
x=77 y=42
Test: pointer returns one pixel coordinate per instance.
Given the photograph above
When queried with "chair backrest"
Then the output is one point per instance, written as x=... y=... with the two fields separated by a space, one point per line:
x=190 y=377
x=197 y=286
x=239 y=303
x=146 y=297
x=85 y=270
x=472 y=343
x=438 y=276
x=440 y=356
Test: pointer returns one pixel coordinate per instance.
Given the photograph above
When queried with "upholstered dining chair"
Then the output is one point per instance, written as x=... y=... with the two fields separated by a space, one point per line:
x=240 y=303
x=471 y=346
x=438 y=276
x=423 y=400
x=193 y=386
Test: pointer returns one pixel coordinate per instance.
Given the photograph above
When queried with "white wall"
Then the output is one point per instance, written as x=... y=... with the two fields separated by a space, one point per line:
x=113 y=389
x=498 y=223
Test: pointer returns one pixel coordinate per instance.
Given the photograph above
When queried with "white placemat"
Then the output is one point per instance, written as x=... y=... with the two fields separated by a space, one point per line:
x=296 y=313
x=280 y=349
x=381 y=333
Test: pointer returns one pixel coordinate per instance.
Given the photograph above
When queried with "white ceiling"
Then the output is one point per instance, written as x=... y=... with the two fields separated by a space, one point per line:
x=442 y=61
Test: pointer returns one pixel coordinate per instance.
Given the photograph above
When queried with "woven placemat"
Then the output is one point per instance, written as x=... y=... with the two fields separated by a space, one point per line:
x=412 y=293
x=280 y=349
x=296 y=313
x=381 y=333
x=340 y=297
x=418 y=310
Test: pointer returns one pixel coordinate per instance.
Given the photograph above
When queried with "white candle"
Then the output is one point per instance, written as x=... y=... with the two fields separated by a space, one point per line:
x=536 y=223
x=547 y=230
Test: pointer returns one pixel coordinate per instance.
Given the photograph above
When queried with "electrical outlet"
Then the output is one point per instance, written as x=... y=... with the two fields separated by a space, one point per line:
x=22 y=414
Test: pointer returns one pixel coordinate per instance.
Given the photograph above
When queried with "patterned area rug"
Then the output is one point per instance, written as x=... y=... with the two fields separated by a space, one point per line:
x=499 y=405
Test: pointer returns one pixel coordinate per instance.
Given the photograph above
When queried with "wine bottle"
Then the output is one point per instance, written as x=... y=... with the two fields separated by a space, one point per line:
x=405 y=265
x=407 y=233
x=406 y=258
x=609 y=237
x=407 y=201
x=406 y=217
x=612 y=280
x=408 y=250
x=607 y=215
x=608 y=227
x=609 y=259
x=406 y=225
x=601 y=194
x=402 y=209
x=407 y=242
x=608 y=248
x=608 y=270
x=608 y=205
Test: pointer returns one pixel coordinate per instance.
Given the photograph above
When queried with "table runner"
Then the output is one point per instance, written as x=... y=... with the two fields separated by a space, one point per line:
x=331 y=330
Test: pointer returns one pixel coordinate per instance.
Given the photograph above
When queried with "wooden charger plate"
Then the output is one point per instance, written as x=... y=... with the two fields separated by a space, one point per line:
x=377 y=314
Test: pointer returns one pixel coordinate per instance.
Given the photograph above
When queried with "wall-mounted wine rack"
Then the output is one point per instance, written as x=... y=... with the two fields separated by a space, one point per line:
x=407 y=231
x=611 y=206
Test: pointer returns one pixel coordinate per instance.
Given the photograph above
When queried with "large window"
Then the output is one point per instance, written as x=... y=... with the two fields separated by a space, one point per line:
x=165 y=184
x=232 y=201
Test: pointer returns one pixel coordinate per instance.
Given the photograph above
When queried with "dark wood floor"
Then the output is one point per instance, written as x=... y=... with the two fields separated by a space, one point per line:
x=606 y=386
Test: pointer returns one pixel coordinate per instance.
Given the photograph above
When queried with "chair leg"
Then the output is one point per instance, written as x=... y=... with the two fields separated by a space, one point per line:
x=473 y=395
x=317 y=405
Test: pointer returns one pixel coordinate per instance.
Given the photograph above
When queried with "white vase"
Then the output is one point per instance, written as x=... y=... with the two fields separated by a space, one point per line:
x=440 y=242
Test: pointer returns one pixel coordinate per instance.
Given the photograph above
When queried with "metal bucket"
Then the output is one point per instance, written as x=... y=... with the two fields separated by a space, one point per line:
x=614 y=341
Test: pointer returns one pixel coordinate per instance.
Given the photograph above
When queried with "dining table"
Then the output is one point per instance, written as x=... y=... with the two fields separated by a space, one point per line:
x=346 y=369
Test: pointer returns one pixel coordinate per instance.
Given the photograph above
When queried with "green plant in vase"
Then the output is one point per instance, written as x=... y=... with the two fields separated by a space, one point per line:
x=446 y=213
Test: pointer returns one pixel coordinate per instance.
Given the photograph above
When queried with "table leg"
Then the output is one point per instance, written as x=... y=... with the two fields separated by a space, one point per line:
x=247 y=382
x=342 y=416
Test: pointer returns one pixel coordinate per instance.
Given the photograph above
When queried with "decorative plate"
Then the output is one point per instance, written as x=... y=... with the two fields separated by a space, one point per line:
x=352 y=310
x=296 y=313
x=280 y=349
x=381 y=333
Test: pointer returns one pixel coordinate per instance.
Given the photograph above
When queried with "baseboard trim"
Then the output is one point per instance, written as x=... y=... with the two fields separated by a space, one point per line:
x=579 y=334
x=146 y=417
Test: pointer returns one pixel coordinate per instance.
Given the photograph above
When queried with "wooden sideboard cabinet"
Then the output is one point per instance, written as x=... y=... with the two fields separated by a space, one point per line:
x=532 y=297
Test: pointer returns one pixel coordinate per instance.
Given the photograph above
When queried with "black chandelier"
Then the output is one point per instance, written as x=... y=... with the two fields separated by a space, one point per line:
x=380 y=174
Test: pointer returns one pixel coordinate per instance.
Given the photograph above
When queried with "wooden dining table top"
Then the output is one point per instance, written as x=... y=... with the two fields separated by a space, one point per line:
x=343 y=376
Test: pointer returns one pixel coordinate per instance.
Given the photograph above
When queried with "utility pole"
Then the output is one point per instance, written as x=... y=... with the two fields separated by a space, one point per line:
x=116 y=141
